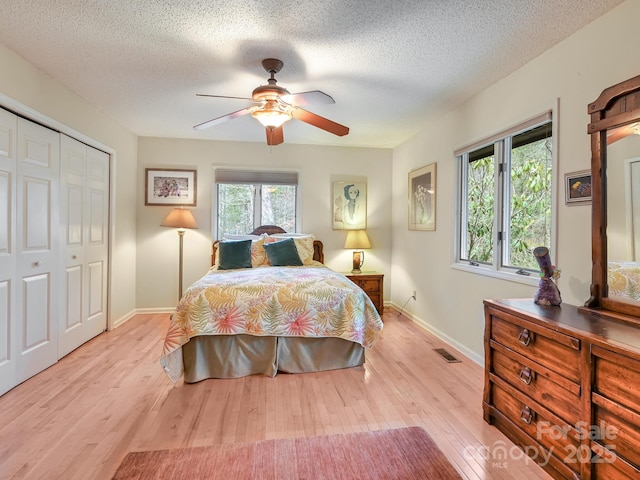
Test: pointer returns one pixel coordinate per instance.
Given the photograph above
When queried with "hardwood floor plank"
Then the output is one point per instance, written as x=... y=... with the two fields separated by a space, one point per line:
x=80 y=417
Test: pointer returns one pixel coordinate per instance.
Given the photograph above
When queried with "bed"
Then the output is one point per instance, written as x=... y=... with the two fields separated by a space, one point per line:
x=624 y=280
x=266 y=318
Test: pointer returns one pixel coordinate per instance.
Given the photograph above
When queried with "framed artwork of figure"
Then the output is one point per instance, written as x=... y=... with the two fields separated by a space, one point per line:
x=349 y=205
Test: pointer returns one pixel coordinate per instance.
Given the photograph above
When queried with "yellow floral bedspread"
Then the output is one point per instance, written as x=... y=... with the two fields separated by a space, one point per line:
x=624 y=280
x=311 y=301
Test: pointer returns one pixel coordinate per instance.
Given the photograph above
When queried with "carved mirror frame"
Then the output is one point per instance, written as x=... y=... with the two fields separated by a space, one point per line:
x=612 y=114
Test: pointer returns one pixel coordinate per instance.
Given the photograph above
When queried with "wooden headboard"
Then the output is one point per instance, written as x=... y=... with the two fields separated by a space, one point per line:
x=318 y=253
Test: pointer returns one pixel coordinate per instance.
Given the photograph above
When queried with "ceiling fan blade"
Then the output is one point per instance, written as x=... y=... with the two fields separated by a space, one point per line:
x=222 y=119
x=320 y=122
x=314 y=97
x=224 y=96
x=275 y=136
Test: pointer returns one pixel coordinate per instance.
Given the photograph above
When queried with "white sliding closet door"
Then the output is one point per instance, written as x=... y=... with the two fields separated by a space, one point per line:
x=37 y=217
x=8 y=155
x=84 y=233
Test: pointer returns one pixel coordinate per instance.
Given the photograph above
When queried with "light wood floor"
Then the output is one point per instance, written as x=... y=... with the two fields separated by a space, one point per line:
x=79 y=418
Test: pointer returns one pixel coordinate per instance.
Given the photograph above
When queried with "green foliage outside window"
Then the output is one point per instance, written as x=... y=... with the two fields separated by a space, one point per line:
x=480 y=208
x=527 y=201
x=237 y=207
x=530 y=210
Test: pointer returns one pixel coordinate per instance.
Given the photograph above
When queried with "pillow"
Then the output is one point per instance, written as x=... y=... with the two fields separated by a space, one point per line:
x=234 y=254
x=258 y=255
x=304 y=244
x=283 y=253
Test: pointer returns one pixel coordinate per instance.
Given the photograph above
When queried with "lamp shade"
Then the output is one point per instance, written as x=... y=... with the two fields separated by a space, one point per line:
x=180 y=218
x=357 y=239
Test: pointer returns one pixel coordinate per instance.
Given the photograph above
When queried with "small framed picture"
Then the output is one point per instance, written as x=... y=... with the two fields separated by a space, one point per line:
x=577 y=187
x=349 y=205
x=422 y=198
x=170 y=187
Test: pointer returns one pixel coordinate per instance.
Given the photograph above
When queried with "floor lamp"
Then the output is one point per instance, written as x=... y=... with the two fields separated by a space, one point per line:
x=180 y=218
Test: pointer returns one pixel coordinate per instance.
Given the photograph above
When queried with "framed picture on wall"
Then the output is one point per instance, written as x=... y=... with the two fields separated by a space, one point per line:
x=577 y=187
x=422 y=198
x=349 y=205
x=170 y=187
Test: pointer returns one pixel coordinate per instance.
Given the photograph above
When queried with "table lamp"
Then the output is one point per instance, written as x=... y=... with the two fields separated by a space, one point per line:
x=357 y=240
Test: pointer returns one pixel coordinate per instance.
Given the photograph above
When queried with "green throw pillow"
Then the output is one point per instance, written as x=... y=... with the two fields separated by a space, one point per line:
x=283 y=253
x=235 y=255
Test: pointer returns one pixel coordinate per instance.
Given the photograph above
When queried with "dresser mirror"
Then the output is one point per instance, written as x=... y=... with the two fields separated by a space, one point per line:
x=615 y=168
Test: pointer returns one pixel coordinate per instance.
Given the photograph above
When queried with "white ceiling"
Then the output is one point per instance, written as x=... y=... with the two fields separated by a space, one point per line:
x=388 y=64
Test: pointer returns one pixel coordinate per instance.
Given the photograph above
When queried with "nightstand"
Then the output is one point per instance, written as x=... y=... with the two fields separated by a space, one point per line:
x=373 y=285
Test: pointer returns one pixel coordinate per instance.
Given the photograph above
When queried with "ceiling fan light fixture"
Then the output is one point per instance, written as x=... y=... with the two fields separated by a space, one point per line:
x=274 y=105
x=271 y=118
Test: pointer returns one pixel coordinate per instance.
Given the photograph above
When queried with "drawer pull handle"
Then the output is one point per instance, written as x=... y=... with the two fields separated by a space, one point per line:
x=526 y=376
x=525 y=337
x=526 y=415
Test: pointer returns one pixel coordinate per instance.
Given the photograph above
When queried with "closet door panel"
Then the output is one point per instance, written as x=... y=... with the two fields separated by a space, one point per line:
x=73 y=303
x=8 y=339
x=36 y=318
x=73 y=311
x=84 y=206
x=6 y=205
x=36 y=312
x=7 y=363
x=96 y=288
x=36 y=219
x=97 y=247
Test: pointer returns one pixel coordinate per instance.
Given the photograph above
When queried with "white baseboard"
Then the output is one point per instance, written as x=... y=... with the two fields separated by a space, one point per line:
x=156 y=310
x=124 y=319
x=470 y=354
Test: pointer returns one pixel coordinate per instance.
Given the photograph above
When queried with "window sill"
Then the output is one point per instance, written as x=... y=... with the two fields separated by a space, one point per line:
x=531 y=280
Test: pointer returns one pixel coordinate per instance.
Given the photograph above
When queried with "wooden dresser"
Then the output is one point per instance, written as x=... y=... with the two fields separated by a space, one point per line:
x=373 y=285
x=564 y=384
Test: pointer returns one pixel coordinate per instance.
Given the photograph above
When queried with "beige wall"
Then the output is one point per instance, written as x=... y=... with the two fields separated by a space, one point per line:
x=318 y=167
x=572 y=73
x=23 y=85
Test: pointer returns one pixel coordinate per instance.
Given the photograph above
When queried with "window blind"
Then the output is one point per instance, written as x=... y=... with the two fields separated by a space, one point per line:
x=255 y=177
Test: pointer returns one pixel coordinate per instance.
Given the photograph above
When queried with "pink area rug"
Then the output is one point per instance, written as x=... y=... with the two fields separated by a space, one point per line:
x=399 y=454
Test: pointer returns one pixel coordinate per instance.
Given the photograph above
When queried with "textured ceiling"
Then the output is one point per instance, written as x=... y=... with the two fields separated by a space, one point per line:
x=387 y=64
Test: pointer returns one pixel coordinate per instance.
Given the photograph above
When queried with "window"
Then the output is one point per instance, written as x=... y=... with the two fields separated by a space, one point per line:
x=247 y=199
x=505 y=198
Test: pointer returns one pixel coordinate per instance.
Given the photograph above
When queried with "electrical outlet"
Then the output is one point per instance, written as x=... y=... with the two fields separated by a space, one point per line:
x=414 y=295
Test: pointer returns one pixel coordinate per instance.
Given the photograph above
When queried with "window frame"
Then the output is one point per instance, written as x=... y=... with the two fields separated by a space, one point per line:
x=257 y=178
x=500 y=231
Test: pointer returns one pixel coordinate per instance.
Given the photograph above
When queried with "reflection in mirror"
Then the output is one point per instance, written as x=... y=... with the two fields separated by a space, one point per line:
x=623 y=212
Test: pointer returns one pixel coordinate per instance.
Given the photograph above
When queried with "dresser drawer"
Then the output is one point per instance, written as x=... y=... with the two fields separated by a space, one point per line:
x=617 y=378
x=554 y=350
x=608 y=465
x=618 y=428
x=370 y=285
x=541 y=384
x=559 y=439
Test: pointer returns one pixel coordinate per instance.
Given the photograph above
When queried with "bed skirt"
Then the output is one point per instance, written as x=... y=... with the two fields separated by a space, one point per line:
x=234 y=356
